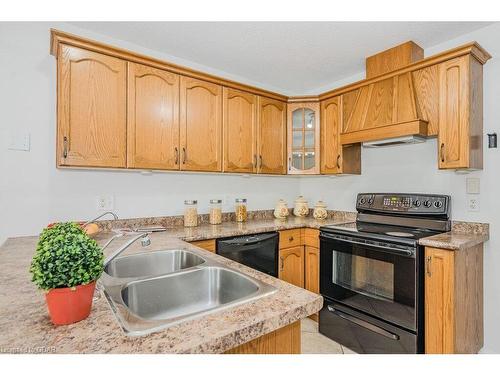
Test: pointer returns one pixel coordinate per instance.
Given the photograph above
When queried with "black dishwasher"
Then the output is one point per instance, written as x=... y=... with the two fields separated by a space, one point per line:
x=258 y=251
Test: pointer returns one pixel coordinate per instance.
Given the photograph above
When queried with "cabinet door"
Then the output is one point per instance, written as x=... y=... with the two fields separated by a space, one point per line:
x=291 y=267
x=271 y=143
x=153 y=118
x=239 y=128
x=91 y=95
x=303 y=138
x=201 y=125
x=453 y=134
x=330 y=136
x=439 y=301
x=311 y=266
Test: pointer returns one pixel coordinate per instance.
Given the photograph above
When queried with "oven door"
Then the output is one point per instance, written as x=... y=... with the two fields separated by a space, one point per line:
x=375 y=279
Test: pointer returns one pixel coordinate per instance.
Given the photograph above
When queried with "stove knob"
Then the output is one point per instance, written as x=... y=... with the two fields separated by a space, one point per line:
x=417 y=203
x=438 y=204
x=370 y=201
x=427 y=203
x=362 y=201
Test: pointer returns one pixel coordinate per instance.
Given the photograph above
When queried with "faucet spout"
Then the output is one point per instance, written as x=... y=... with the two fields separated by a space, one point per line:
x=115 y=217
x=145 y=241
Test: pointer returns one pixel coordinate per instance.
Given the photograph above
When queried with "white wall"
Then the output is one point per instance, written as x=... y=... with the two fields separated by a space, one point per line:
x=33 y=192
x=414 y=169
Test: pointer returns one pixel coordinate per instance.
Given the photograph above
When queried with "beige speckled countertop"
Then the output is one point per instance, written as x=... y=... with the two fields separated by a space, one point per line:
x=25 y=325
x=463 y=235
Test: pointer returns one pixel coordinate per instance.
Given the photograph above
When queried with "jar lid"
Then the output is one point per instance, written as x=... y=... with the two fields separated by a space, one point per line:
x=301 y=199
x=191 y=202
x=320 y=204
x=214 y=201
x=240 y=200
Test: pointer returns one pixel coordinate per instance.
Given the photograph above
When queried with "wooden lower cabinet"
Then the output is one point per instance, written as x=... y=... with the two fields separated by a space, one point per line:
x=291 y=265
x=208 y=245
x=453 y=300
x=285 y=340
x=311 y=271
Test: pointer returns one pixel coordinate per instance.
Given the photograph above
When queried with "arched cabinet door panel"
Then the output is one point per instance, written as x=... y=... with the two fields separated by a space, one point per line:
x=239 y=131
x=200 y=125
x=153 y=118
x=91 y=94
x=271 y=143
x=291 y=265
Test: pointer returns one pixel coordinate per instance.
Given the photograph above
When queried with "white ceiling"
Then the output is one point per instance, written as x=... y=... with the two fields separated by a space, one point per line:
x=290 y=57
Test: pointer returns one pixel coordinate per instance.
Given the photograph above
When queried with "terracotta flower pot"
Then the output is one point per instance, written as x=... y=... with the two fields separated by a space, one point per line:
x=67 y=305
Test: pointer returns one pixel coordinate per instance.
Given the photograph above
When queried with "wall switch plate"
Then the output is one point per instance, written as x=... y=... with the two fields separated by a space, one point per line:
x=473 y=204
x=105 y=202
x=472 y=185
x=20 y=142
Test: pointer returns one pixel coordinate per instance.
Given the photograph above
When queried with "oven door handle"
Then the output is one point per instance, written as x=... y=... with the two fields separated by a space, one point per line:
x=362 y=323
x=387 y=249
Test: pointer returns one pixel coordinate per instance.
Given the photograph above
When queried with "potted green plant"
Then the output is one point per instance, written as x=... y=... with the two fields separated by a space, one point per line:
x=66 y=265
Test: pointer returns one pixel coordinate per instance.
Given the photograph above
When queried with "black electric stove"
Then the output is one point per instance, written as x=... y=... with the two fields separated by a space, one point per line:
x=372 y=272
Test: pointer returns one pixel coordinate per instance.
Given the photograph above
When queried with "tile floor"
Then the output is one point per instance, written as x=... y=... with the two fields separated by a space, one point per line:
x=314 y=342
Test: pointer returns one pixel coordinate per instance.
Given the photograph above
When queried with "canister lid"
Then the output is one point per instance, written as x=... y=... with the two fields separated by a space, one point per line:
x=240 y=200
x=191 y=201
x=215 y=201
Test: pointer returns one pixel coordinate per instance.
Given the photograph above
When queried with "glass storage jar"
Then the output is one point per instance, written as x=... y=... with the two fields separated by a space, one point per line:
x=240 y=209
x=215 y=216
x=190 y=213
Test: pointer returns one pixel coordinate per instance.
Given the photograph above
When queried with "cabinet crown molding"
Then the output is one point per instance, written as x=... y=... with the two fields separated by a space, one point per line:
x=58 y=37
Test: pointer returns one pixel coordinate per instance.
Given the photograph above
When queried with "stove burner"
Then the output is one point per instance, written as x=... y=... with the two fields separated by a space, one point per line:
x=399 y=234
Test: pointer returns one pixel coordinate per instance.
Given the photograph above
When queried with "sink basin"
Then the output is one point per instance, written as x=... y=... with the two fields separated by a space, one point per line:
x=152 y=264
x=188 y=293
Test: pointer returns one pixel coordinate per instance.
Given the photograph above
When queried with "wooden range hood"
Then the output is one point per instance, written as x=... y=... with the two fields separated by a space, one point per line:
x=386 y=109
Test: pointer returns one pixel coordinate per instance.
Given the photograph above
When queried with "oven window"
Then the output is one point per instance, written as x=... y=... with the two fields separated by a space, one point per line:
x=368 y=276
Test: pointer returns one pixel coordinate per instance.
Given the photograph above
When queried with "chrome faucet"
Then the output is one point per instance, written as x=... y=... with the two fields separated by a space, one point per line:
x=145 y=241
x=98 y=217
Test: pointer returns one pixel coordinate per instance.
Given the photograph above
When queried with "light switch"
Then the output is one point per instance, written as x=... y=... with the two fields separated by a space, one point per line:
x=20 y=142
x=472 y=185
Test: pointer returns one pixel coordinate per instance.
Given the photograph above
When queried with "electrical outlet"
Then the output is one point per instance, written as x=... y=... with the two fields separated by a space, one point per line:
x=105 y=202
x=473 y=204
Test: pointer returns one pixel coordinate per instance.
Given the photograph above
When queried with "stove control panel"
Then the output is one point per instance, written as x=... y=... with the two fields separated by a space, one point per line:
x=418 y=204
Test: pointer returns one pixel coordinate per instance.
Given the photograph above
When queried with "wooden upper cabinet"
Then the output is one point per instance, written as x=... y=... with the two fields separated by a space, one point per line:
x=92 y=109
x=460 y=113
x=200 y=125
x=335 y=158
x=330 y=136
x=240 y=131
x=271 y=142
x=153 y=118
x=291 y=268
x=303 y=138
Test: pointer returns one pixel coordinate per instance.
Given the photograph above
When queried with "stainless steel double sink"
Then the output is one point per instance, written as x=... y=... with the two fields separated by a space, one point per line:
x=153 y=290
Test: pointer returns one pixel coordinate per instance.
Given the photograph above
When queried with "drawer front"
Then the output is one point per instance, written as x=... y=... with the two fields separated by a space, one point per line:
x=290 y=238
x=208 y=245
x=311 y=237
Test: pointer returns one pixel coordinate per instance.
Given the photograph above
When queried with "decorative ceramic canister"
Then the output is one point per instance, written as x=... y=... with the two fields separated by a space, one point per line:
x=281 y=210
x=320 y=212
x=301 y=208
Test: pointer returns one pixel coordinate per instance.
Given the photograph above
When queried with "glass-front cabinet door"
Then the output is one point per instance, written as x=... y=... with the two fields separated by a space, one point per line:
x=303 y=138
